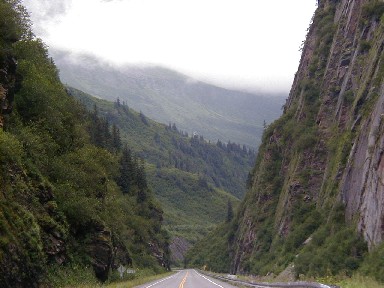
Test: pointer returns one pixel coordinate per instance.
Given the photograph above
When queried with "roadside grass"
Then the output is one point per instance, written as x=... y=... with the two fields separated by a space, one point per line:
x=129 y=283
x=358 y=281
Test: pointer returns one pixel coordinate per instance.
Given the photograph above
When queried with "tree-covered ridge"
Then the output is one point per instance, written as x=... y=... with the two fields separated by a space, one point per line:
x=64 y=206
x=225 y=165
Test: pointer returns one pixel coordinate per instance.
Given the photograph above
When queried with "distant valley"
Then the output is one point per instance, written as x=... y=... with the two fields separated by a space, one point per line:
x=170 y=97
x=192 y=179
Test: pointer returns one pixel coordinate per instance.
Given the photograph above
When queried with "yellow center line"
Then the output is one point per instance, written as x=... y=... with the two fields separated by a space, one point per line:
x=183 y=281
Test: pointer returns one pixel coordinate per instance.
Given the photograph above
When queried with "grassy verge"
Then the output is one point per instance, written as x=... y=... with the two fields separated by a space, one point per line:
x=356 y=281
x=130 y=283
x=359 y=282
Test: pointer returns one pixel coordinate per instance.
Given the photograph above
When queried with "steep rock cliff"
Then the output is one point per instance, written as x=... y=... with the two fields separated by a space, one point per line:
x=318 y=179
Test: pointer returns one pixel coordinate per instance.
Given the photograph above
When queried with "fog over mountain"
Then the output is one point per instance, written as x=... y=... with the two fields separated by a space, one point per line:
x=229 y=43
x=171 y=97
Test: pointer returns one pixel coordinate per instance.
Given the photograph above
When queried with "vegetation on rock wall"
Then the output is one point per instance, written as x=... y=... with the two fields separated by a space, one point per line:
x=312 y=197
x=62 y=206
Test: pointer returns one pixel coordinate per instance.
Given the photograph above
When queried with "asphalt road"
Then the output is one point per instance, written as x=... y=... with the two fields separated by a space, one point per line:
x=187 y=279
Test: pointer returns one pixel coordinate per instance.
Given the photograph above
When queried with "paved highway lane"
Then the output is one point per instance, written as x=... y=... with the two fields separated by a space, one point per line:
x=187 y=279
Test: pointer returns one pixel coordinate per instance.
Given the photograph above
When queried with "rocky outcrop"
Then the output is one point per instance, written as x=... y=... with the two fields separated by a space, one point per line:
x=179 y=247
x=363 y=186
x=53 y=226
x=101 y=251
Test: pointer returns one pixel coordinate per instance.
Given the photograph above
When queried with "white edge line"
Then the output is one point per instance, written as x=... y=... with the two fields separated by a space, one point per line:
x=161 y=281
x=208 y=279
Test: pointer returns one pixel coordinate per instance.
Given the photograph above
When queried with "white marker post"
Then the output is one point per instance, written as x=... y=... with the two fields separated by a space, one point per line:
x=121 y=270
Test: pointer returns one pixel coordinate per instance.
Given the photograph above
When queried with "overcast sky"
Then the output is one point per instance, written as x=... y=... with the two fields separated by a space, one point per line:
x=245 y=43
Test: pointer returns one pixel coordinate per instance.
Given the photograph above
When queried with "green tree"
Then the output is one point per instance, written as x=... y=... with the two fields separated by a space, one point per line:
x=229 y=211
x=116 y=140
x=126 y=169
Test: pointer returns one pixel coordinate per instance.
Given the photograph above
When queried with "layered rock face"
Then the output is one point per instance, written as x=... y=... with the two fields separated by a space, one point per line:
x=326 y=151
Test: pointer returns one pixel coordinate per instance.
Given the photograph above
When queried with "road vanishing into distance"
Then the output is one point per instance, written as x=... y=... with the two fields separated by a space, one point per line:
x=192 y=279
x=187 y=279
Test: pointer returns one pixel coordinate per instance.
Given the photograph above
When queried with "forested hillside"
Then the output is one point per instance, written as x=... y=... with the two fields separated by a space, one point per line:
x=168 y=96
x=315 y=199
x=192 y=178
x=71 y=200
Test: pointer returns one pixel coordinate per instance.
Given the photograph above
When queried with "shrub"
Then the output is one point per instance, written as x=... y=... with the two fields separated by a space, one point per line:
x=21 y=250
x=332 y=251
x=349 y=96
x=364 y=46
x=373 y=264
x=373 y=10
x=10 y=151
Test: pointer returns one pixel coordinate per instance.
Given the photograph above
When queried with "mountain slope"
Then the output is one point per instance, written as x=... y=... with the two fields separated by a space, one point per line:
x=170 y=97
x=192 y=179
x=64 y=215
x=226 y=165
x=315 y=198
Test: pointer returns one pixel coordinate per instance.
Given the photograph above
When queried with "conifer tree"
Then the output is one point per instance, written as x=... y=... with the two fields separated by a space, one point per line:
x=107 y=137
x=141 y=183
x=116 y=140
x=229 y=211
x=126 y=178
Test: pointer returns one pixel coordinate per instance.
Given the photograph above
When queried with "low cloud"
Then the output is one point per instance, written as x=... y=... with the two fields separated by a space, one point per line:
x=250 y=51
x=46 y=12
